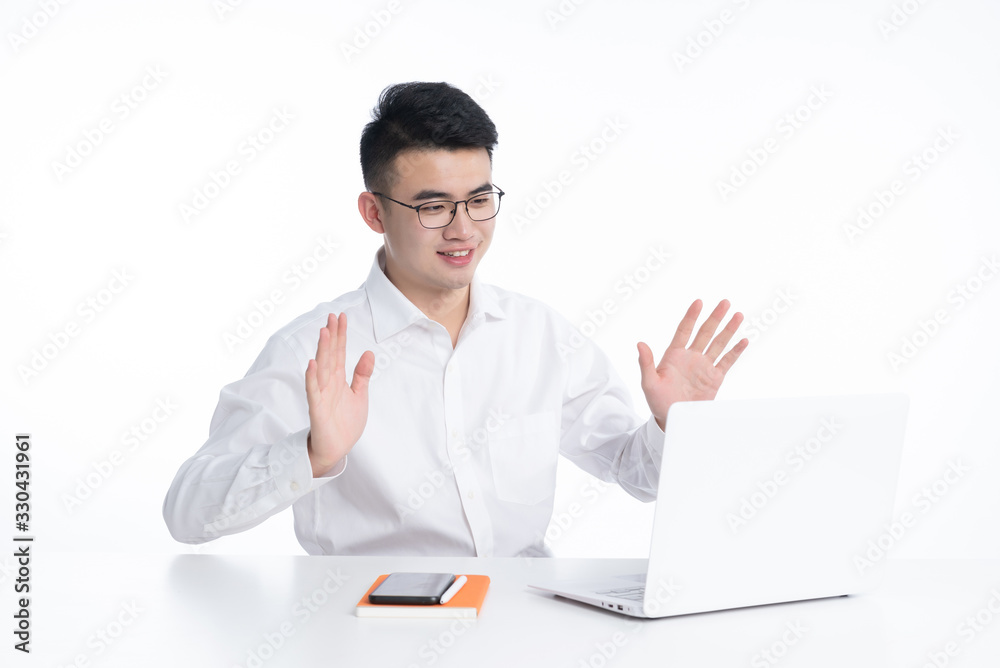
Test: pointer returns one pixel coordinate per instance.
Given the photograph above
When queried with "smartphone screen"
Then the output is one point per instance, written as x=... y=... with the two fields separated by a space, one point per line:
x=412 y=588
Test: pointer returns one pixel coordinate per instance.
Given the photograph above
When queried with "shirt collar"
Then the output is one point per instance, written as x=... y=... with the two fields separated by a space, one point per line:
x=392 y=312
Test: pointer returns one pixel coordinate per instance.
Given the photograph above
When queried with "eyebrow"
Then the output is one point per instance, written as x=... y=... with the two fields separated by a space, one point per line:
x=437 y=194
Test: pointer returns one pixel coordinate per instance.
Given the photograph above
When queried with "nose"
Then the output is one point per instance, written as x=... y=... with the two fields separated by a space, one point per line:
x=461 y=225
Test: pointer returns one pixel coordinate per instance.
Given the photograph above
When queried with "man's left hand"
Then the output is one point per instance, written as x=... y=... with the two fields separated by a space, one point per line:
x=690 y=373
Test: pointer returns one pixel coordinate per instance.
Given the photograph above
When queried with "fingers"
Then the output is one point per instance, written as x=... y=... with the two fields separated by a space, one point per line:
x=312 y=384
x=324 y=352
x=323 y=359
x=363 y=372
x=645 y=357
x=729 y=359
x=341 y=345
x=722 y=340
x=331 y=359
x=683 y=333
x=707 y=330
x=703 y=341
x=646 y=363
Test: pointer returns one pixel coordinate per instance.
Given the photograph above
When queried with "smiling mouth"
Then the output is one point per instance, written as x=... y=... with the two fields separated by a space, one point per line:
x=455 y=253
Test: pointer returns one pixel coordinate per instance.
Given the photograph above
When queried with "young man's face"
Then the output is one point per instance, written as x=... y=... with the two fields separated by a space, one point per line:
x=415 y=259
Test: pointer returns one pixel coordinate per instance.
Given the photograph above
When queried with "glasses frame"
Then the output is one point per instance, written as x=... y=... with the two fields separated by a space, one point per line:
x=498 y=192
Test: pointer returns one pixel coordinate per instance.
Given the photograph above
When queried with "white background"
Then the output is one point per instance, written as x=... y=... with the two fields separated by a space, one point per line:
x=552 y=80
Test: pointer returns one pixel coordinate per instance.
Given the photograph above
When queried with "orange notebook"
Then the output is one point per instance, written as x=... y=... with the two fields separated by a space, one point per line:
x=465 y=604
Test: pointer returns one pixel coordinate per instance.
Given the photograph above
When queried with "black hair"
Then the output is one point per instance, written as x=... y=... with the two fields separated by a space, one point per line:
x=420 y=115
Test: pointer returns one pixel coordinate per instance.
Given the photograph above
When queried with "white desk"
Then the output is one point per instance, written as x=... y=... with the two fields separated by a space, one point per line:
x=202 y=610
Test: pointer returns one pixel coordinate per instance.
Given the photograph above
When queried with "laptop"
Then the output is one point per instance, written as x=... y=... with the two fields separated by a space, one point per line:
x=763 y=501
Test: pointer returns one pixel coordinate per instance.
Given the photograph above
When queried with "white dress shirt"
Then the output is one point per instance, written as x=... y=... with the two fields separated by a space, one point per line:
x=458 y=456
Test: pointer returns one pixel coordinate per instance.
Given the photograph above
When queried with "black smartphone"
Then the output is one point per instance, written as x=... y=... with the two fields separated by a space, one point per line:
x=412 y=589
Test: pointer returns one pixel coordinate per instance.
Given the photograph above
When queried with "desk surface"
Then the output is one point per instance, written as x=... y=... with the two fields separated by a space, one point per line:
x=223 y=611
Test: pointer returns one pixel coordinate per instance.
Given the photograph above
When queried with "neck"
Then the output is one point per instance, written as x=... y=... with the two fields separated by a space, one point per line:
x=448 y=307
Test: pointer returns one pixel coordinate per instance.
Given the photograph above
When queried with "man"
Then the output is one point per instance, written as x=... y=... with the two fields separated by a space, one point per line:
x=451 y=448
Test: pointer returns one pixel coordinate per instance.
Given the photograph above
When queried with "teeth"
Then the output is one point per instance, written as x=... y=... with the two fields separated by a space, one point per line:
x=457 y=253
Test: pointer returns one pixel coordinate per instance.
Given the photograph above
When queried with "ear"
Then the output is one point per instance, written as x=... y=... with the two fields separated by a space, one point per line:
x=368 y=206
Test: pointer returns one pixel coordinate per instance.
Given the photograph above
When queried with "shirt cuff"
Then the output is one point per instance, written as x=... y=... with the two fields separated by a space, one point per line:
x=291 y=469
x=655 y=443
x=653 y=432
x=334 y=472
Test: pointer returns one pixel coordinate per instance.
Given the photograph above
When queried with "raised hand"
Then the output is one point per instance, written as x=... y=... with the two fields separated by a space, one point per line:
x=337 y=413
x=690 y=373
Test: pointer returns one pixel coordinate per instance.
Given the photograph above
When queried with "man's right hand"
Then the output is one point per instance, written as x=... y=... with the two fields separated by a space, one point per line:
x=337 y=413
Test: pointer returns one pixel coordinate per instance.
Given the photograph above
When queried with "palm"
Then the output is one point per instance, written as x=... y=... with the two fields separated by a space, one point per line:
x=338 y=415
x=690 y=373
x=685 y=375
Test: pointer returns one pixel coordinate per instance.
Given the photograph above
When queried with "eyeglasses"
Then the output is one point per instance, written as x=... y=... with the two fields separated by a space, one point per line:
x=439 y=213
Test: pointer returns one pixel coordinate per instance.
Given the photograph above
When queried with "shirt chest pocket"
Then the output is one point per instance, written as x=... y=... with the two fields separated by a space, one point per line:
x=523 y=454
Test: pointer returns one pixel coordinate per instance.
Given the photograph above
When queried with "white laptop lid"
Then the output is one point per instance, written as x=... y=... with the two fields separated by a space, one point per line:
x=772 y=500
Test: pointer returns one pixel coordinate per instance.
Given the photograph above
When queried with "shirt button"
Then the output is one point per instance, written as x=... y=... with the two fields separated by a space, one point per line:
x=454 y=433
x=471 y=494
x=294 y=486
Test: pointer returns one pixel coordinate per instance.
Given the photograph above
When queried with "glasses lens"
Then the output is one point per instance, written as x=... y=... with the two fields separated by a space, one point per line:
x=436 y=214
x=484 y=206
x=440 y=213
